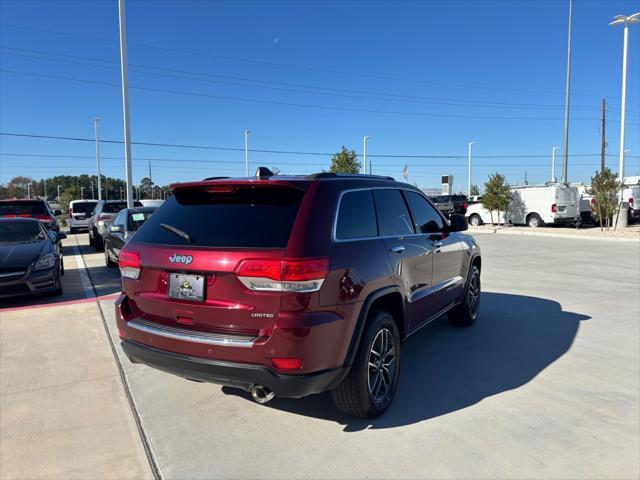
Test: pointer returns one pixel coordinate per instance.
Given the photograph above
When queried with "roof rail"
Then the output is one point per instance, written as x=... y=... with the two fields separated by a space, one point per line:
x=349 y=175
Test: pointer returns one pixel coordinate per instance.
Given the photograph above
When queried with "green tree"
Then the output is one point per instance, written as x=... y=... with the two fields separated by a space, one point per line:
x=475 y=190
x=605 y=188
x=496 y=195
x=345 y=161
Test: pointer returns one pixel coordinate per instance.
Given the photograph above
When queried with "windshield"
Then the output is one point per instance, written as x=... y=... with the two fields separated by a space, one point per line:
x=21 y=207
x=20 y=231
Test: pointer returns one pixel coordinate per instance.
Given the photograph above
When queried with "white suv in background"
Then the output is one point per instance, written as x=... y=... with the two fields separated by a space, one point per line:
x=79 y=214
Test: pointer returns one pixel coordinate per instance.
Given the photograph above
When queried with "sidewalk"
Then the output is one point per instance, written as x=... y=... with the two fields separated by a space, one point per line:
x=630 y=234
x=63 y=408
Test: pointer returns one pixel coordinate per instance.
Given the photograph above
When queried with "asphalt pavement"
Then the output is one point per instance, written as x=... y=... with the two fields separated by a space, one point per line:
x=546 y=384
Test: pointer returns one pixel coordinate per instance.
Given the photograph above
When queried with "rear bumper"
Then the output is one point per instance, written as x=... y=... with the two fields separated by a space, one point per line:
x=565 y=220
x=232 y=374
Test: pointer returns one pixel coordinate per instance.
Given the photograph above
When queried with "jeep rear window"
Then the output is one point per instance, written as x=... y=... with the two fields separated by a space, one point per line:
x=247 y=217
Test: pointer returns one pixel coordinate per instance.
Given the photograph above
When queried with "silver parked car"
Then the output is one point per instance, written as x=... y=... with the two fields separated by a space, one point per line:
x=103 y=213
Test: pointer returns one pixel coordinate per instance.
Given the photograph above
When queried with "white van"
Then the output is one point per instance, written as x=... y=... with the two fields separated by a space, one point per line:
x=631 y=194
x=534 y=205
x=79 y=214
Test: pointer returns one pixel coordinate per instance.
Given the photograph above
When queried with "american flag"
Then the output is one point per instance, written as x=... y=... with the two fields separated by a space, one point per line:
x=405 y=172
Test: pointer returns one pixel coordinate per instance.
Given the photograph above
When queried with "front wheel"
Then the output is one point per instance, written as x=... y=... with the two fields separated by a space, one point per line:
x=475 y=220
x=369 y=387
x=465 y=314
x=534 y=221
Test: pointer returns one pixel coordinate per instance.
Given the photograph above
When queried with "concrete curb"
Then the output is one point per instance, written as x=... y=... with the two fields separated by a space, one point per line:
x=502 y=231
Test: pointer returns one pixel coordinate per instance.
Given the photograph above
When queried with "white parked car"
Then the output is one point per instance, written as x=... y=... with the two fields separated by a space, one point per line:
x=79 y=214
x=534 y=206
x=631 y=194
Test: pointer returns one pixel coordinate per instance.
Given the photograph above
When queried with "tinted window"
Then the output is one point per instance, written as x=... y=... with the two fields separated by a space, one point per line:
x=20 y=231
x=393 y=216
x=116 y=207
x=357 y=216
x=84 y=207
x=426 y=217
x=458 y=198
x=136 y=219
x=9 y=207
x=119 y=220
x=246 y=217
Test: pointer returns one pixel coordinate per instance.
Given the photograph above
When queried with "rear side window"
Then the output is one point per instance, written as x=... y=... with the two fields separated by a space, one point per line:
x=247 y=217
x=136 y=219
x=426 y=217
x=393 y=216
x=16 y=208
x=357 y=216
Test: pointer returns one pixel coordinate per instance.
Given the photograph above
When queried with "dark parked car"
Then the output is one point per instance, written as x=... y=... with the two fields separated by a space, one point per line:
x=30 y=260
x=445 y=206
x=104 y=211
x=460 y=202
x=121 y=229
x=30 y=208
x=291 y=286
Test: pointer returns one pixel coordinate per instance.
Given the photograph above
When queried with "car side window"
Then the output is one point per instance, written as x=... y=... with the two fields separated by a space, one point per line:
x=119 y=220
x=427 y=219
x=356 y=216
x=393 y=215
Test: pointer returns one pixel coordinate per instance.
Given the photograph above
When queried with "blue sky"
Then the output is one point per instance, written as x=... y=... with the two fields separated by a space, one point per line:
x=421 y=78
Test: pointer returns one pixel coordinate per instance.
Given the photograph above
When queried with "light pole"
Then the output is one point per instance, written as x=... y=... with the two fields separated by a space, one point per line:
x=59 y=186
x=626 y=21
x=553 y=164
x=565 y=166
x=469 y=172
x=96 y=122
x=364 y=156
x=44 y=188
x=246 y=152
x=125 y=101
x=28 y=190
x=82 y=193
x=93 y=195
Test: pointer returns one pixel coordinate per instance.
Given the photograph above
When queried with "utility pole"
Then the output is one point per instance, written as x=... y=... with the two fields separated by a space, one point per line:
x=93 y=195
x=565 y=167
x=603 y=144
x=82 y=193
x=96 y=122
x=364 y=153
x=29 y=190
x=59 y=186
x=150 y=179
x=44 y=188
x=125 y=101
x=246 y=152
x=469 y=168
x=553 y=164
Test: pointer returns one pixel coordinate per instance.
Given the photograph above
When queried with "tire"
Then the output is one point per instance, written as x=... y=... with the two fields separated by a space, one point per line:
x=58 y=291
x=107 y=259
x=91 y=241
x=475 y=220
x=98 y=242
x=360 y=394
x=72 y=230
x=534 y=221
x=465 y=314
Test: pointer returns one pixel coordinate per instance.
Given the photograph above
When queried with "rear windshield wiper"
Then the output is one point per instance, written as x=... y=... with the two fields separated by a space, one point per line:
x=178 y=232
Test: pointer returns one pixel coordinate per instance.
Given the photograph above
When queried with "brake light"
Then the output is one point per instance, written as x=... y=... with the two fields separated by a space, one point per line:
x=287 y=275
x=102 y=218
x=44 y=218
x=464 y=205
x=129 y=263
x=287 y=363
x=631 y=201
x=554 y=208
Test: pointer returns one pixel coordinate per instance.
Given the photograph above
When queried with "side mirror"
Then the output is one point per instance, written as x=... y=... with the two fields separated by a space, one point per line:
x=458 y=223
x=57 y=212
x=115 y=229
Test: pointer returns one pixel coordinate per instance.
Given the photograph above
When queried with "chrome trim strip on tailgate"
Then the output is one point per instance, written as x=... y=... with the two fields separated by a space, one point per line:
x=191 y=336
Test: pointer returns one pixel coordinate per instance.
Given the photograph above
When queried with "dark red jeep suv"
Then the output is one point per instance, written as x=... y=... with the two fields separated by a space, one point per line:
x=291 y=286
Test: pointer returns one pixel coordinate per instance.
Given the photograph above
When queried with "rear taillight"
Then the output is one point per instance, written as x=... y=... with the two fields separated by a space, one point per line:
x=44 y=218
x=129 y=263
x=554 y=208
x=287 y=363
x=464 y=205
x=288 y=275
x=593 y=202
x=631 y=201
x=102 y=218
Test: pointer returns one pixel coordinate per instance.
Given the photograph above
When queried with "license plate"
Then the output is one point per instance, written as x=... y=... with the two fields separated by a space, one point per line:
x=186 y=287
x=79 y=217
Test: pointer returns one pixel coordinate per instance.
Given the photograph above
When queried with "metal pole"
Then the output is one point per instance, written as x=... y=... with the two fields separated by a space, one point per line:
x=28 y=190
x=82 y=193
x=246 y=152
x=364 y=156
x=93 y=194
x=553 y=164
x=96 y=123
x=623 y=104
x=44 y=187
x=469 y=169
x=125 y=102
x=150 y=180
x=565 y=166
x=59 y=191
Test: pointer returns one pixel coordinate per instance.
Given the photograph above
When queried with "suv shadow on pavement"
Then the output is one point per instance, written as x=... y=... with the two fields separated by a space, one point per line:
x=445 y=369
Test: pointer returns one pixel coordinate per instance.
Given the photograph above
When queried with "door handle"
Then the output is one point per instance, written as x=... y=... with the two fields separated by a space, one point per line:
x=397 y=249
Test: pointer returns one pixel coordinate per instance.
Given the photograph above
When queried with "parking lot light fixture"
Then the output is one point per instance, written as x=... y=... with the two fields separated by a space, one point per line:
x=626 y=21
x=364 y=153
x=469 y=172
x=553 y=164
x=246 y=151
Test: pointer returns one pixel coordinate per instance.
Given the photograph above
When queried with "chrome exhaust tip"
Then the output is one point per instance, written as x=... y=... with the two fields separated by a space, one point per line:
x=261 y=394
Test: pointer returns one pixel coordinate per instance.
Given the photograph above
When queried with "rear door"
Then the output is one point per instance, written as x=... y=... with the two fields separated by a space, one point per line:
x=409 y=254
x=567 y=202
x=219 y=227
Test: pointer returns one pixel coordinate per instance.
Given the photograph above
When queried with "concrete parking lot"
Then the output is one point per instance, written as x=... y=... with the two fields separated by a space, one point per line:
x=546 y=384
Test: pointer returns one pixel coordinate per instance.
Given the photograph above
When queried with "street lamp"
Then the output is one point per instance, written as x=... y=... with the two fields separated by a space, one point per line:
x=565 y=166
x=364 y=156
x=626 y=21
x=59 y=186
x=246 y=151
x=96 y=122
x=82 y=193
x=469 y=172
x=553 y=164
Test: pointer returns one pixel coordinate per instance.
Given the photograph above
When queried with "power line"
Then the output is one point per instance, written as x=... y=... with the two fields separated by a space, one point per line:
x=345 y=93
x=297 y=67
x=291 y=104
x=287 y=152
